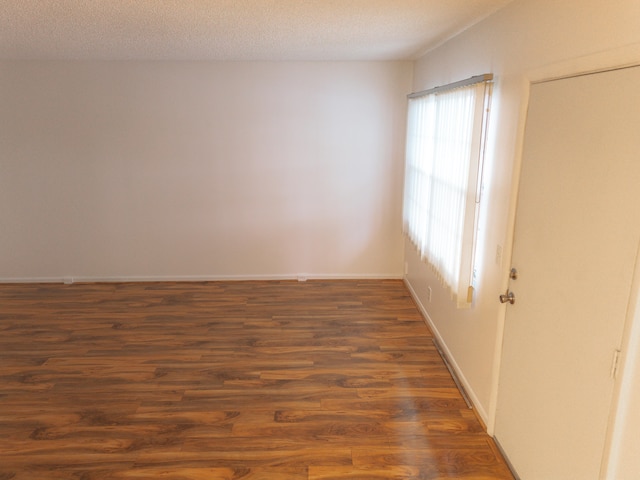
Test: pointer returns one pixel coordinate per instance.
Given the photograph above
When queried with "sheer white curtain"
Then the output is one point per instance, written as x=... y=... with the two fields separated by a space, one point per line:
x=443 y=156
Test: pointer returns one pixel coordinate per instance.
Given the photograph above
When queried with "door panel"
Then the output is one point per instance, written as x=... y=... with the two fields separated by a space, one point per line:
x=576 y=235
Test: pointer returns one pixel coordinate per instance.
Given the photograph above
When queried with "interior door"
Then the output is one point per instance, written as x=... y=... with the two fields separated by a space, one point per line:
x=576 y=237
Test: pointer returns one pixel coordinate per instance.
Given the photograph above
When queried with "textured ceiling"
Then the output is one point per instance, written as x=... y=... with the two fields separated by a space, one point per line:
x=232 y=29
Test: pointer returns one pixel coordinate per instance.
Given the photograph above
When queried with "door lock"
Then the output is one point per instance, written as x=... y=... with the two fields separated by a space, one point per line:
x=508 y=297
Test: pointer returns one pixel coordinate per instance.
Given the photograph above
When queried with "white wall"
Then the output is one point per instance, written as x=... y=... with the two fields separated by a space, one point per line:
x=129 y=170
x=527 y=39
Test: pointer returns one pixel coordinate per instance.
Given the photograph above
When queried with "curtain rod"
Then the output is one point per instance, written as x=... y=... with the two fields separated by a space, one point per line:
x=450 y=86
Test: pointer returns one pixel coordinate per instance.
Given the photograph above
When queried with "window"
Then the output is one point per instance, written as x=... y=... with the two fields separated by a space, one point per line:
x=445 y=141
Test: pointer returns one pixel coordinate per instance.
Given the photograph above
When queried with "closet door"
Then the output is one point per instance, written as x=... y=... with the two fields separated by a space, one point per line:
x=576 y=238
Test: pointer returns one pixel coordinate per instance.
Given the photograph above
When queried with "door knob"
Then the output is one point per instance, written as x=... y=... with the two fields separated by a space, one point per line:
x=508 y=297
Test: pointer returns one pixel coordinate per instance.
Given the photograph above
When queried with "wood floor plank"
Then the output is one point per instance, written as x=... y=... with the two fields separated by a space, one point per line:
x=435 y=463
x=229 y=380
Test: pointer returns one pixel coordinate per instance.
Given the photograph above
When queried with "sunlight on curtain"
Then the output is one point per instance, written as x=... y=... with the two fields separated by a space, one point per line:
x=444 y=143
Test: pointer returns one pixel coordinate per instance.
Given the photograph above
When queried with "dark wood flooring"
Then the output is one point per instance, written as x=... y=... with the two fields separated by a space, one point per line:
x=229 y=380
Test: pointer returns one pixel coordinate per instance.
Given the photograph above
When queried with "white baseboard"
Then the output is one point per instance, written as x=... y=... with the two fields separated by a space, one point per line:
x=200 y=278
x=449 y=357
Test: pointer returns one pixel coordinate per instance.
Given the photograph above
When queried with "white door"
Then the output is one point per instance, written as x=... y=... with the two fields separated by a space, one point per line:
x=576 y=236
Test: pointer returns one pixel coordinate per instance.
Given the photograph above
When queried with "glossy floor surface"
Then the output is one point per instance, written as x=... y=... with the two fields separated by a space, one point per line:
x=229 y=380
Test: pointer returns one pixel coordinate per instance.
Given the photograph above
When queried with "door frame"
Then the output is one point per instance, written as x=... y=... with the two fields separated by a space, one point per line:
x=624 y=57
x=624 y=384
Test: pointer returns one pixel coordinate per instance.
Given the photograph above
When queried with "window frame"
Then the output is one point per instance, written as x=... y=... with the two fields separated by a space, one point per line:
x=456 y=272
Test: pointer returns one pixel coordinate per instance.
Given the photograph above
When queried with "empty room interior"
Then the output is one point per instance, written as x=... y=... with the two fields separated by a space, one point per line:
x=208 y=257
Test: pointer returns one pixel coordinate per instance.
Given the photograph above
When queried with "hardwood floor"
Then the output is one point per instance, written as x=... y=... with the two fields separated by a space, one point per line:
x=229 y=380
